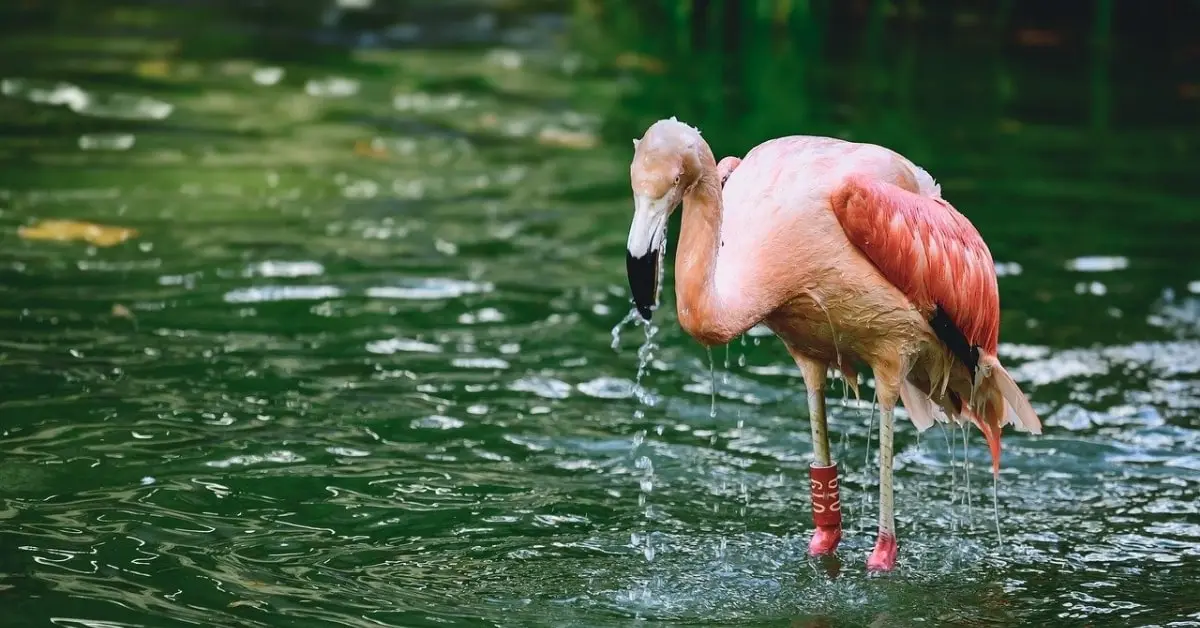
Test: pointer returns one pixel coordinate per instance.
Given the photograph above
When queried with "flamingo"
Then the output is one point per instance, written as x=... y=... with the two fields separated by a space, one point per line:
x=849 y=254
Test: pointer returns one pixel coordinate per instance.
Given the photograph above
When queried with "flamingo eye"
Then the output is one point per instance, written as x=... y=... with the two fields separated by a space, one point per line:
x=676 y=179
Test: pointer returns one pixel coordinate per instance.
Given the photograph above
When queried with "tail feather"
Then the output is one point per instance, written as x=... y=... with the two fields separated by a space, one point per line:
x=1026 y=416
x=991 y=433
x=998 y=402
x=994 y=401
x=1011 y=418
x=920 y=409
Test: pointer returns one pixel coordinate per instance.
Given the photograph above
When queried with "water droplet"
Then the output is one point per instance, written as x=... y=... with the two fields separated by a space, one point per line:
x=106 y=141
x=1097 y=263
x=268 y=75
x=331 y=87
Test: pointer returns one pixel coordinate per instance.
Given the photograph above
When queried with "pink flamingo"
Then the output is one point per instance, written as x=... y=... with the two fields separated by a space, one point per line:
x=849 y=254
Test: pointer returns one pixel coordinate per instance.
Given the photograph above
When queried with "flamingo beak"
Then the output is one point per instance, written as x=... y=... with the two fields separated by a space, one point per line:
x=644 y=252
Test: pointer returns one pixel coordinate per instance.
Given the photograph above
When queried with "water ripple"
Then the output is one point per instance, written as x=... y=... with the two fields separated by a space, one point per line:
x=359 y=366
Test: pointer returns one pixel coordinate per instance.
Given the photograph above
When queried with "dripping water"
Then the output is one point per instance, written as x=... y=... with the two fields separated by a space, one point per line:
x=712 y=382
x=642 y=541
x=645 y=486
x=917 y=488
x=967 y=475
x=837 y=375
x=996 y=509
x=645 y=352
x=866 y=495
x=645 y=355
x=725 y=373
x=616 y=330
x=953 y=470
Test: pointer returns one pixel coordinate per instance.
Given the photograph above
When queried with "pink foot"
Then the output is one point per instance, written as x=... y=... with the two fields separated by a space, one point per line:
x=827 y=509
x=883 y=558
x=824 y=540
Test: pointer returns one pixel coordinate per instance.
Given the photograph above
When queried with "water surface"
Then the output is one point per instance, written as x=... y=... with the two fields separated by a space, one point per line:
x=353 y=364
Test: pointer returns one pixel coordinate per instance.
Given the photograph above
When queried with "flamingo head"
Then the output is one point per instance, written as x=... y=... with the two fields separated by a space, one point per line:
x=666 y=163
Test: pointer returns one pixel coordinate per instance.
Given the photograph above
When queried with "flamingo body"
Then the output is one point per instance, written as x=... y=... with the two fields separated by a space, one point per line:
x=848 y=253
x=869 y=264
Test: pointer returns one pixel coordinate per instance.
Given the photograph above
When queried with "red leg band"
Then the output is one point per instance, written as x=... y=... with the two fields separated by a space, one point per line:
x=826 y=496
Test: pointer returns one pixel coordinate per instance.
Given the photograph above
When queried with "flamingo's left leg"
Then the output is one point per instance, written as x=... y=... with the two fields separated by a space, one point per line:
x=883 y=557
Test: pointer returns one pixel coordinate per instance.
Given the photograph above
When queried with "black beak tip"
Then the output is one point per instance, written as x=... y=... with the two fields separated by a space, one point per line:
x=643 y=282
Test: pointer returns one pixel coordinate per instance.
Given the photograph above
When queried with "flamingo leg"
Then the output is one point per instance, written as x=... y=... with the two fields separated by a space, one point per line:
x=823 y=476
x=883 y=557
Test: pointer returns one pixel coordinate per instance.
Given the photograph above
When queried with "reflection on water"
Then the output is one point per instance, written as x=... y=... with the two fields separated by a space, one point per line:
x=311 y=323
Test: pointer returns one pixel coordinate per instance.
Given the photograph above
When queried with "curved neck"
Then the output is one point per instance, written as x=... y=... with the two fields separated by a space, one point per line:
x=696 y=256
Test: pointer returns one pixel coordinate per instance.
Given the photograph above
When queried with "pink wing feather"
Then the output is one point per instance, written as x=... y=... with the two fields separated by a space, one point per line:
x=932 y=253
x=928 y=250
x=726 y=166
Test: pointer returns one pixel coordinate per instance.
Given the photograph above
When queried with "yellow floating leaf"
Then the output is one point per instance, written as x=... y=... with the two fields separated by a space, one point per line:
x=489 y=120
x=635 y=61
x=1038 y=37
x=372 y=149
x=568 y=139
x=153 y=68
x=72 y=230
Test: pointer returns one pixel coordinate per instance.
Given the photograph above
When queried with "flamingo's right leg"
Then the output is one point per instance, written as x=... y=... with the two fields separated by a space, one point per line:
x=823 y=473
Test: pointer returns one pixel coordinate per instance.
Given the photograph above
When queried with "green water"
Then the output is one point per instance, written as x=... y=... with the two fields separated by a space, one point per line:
x=354 y=369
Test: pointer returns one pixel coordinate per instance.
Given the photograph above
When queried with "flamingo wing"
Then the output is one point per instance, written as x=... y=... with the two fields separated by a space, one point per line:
x=726 y=166
x=932 y=253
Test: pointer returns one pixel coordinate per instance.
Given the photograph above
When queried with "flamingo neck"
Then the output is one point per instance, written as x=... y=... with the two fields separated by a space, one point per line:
x=696 y=300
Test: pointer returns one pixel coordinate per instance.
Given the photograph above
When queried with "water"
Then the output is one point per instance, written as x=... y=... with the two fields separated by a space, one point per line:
x=347 y=359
